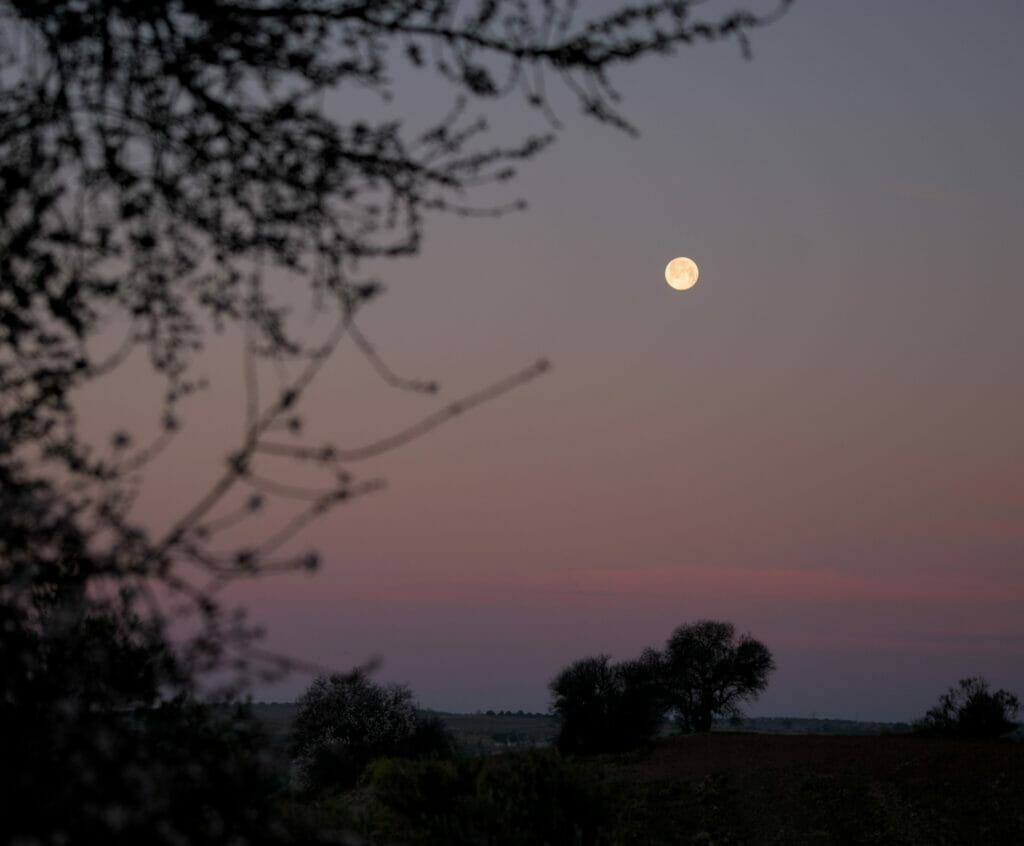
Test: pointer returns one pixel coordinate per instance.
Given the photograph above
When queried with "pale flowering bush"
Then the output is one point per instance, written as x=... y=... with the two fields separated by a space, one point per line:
x=346 y=721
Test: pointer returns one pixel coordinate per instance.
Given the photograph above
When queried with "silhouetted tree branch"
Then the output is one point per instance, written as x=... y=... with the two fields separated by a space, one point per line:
x=172 y=170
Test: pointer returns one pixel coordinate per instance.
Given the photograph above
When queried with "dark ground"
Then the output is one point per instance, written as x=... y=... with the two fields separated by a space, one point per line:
x=758 y=788
x=741 y=788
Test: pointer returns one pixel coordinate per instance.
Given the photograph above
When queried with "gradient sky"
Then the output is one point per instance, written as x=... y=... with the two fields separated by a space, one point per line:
x=821 y=442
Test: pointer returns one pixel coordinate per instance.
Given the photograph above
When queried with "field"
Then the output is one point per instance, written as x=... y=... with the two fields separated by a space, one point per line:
x=489 y=733
x=486 y=733
x=721 y=788
x=476 y=734
x=757 y=788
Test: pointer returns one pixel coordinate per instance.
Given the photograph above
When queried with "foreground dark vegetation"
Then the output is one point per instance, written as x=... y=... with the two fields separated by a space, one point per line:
x=710 y=788
x=169 y=172
x=946 y=779
x=175 y=172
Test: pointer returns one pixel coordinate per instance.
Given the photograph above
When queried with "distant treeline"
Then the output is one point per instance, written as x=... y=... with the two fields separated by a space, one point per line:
x=519 y=713
x=277 y=712
x=812 y=725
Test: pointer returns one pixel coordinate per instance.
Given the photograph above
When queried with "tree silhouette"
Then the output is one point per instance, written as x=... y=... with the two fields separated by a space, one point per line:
x=709 y=671
x=704 y=672
x=971 y=709
x=345 y=722
x=642 y=701
x=586 y=696
x=174 y=169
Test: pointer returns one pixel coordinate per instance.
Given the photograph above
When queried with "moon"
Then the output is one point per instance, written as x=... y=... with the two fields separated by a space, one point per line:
x=681 y=273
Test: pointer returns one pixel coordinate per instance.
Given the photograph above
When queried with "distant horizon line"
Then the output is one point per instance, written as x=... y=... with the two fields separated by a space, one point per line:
x=520 y=712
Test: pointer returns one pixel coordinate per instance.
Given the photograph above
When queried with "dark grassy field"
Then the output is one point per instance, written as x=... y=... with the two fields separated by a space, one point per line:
x=489 y=733
x=722 y=788
x=756 y=788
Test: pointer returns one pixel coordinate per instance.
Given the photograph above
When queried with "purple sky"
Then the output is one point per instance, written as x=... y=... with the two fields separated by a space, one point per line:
x=821 y=442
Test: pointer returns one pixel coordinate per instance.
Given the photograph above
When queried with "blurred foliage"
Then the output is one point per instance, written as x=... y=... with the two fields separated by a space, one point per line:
x=103 y=739
x=102 y=743
x=169 y=171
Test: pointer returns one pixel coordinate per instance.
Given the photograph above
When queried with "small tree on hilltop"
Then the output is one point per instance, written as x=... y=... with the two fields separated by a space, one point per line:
x=346 y=721
x=709 y=671
x=970 y=709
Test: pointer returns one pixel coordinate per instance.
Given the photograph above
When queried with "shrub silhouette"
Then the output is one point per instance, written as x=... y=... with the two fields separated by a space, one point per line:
x=970 y=709
x=346 y=721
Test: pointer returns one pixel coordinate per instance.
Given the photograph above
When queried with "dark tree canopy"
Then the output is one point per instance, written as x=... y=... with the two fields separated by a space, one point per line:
x=709 y=671
x=971 y=709
x=168 y=170
x=586 y=697
x=704 y=673
x=344 y=722
x=96 y=751
x=642 y=700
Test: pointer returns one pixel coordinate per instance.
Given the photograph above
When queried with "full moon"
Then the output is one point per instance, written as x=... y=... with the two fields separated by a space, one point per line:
x=681 y=273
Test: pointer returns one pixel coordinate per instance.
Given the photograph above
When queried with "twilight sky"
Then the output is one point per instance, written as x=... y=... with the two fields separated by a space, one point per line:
x=821 y=442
